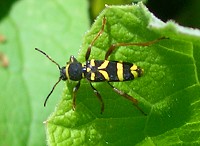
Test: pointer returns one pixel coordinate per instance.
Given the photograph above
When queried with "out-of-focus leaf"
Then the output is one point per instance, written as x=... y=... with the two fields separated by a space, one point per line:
x=57 y=28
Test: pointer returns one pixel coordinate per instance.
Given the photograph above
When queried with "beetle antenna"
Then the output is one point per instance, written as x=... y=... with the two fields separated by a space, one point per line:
x=48 y=57
x=52 y=91
x=58 y=79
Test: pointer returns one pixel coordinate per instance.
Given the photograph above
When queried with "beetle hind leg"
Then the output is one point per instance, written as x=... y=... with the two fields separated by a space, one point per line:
x=130 y=98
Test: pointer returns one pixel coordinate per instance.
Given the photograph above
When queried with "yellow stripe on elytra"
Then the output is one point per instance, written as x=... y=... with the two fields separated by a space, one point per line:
x=104 y=64
x=92 y=62
x=120 y=71
x=88 y=69
x=105 y=74
x=83 y=75
x=133 y=71
x=92 y=77
x=67 y=73
x=134 y=67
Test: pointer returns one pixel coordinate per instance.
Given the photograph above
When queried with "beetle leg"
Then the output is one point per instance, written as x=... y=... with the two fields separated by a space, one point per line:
x=99 y=97
x=87 y=55
x=114 y=46
x=75 y=89
x=130 y=98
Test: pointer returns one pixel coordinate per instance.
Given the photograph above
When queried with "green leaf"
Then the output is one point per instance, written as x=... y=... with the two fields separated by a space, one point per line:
x=169 y=91
x=57 y=28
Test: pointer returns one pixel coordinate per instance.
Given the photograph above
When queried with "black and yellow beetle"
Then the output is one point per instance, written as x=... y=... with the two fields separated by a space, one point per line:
x=100 y=70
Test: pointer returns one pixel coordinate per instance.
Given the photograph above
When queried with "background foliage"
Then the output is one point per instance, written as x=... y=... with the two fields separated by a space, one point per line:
x=58 y=27
x=51 y=26
x=182 y=11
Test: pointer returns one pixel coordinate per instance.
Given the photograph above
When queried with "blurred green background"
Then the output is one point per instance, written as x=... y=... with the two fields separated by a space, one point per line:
x=52 y=25
x=184 y=12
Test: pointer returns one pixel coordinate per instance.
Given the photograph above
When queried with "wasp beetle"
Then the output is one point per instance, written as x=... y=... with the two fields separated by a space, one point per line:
x=100 y=70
